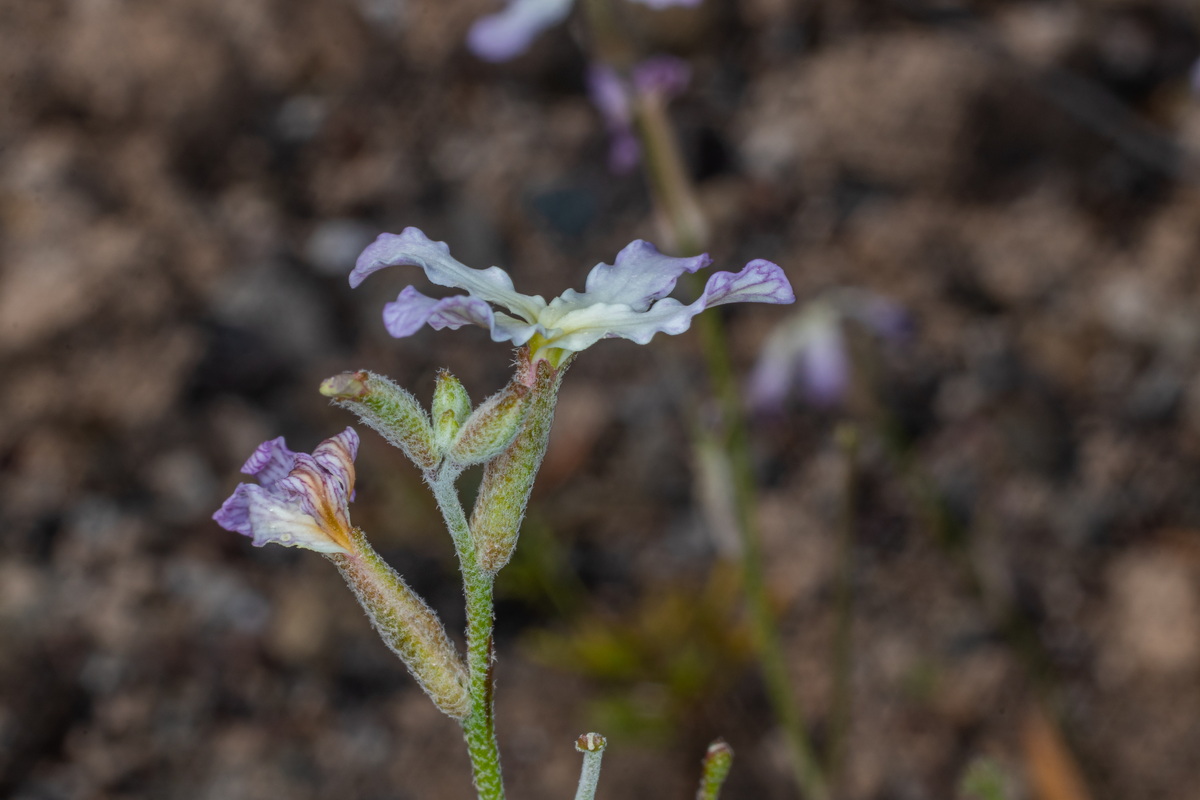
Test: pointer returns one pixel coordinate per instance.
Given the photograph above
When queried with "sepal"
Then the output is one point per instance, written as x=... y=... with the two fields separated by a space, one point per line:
x=508 y=478
x=492 y=427
x=408 y=626
x=390 y=410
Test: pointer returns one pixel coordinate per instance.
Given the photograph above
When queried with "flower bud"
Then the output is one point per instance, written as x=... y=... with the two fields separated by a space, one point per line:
x=407 y=626
x=451 y=406
x=391 y=411
x=492 y=427
x=718 y=760
x=508 y=478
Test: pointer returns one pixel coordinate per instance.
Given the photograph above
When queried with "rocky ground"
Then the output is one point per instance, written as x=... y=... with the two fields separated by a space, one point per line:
x=184 y=186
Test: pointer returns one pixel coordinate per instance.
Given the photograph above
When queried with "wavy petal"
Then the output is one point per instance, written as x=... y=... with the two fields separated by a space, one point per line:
x=509 y=33
x=336 y=456
x=412 y=309
x=276 y=519
x=412 y=247
x=760 y=281
x=321 y=495
x=588 y=325
x=270 y=462
x=638 y=276
x=234 y=513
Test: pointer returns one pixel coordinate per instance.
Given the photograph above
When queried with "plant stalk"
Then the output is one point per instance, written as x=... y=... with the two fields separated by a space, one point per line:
x=675 y=196
x=479 y=726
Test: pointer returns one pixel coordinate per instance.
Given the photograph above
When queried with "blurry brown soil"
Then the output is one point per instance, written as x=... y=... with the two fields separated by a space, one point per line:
x=184 y=186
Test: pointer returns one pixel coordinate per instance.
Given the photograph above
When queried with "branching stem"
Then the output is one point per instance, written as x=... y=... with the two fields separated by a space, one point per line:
x=479 y=727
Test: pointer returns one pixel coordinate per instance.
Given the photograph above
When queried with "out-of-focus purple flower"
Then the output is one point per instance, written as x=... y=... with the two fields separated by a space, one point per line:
x=301 y=500
x=809 y=349
x=509 y=32
x=664 y=76
x=1194 y=78
x=627 y=299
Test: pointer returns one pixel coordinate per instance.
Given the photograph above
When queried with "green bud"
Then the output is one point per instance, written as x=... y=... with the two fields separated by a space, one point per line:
x=451 y=407
x=407 y=626
x=492 y=427
x=390 y=410
x=508 y=478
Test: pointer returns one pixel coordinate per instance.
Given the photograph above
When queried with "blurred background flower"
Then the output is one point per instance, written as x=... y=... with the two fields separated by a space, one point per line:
x=807 y=352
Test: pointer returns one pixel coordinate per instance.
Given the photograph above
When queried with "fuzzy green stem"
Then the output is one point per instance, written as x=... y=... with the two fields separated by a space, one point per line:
x=479 y=726
x=592 y=746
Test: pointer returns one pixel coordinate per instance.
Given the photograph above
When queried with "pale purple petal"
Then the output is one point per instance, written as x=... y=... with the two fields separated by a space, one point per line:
x=234 y=513
x=509 y=33
x=412 y=247
x=280 y=519
x=411 y=309
x=591 y=323
x=336 y=456
x=664 y=75
x=637 y=277
x=270 y=462
x=266 y=516
x=760 y=281
x=510 y=329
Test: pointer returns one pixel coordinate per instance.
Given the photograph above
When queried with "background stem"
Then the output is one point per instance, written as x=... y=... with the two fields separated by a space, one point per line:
x=674 y=195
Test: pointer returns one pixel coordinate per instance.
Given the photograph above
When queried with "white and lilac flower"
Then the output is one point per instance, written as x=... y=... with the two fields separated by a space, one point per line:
x=627 y=299
x=509 y=32
x=661 y=76
x=809 y=349
x=301 y=500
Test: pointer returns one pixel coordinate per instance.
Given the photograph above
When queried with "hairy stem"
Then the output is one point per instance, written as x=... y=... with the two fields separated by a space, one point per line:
x=592 y=746
x=479 y=726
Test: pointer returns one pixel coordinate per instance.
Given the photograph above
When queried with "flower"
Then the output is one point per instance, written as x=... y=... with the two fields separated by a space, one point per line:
x=809 y=349
x=627 y=299
x=664 y=76
x=301 y=500
x=508 y=33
